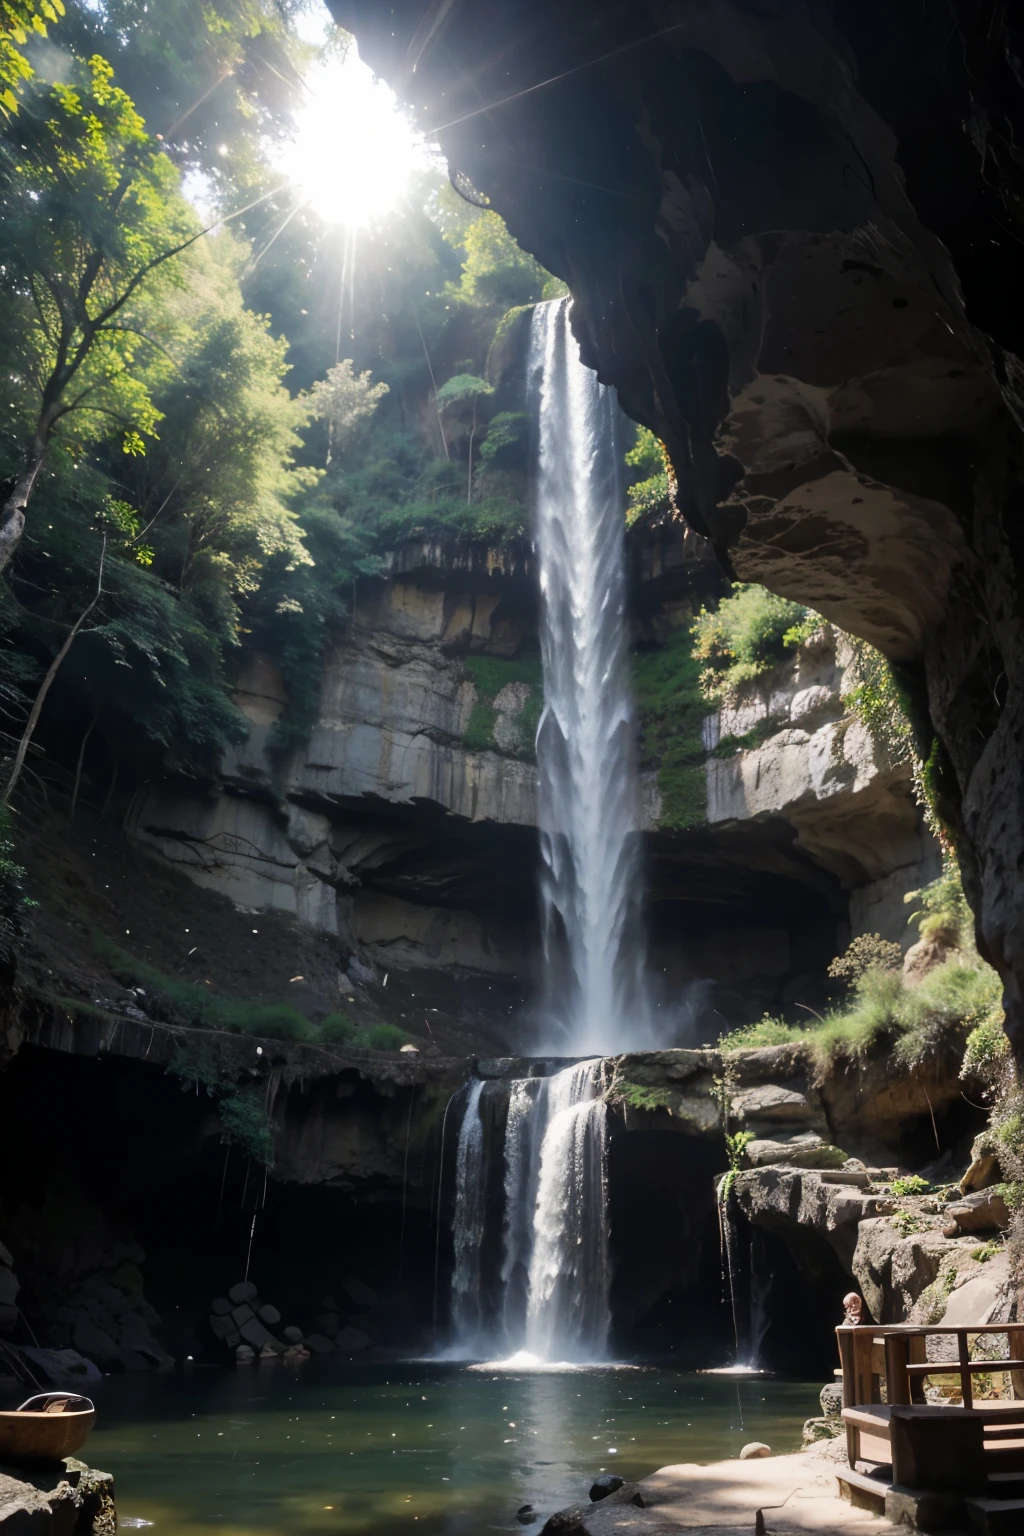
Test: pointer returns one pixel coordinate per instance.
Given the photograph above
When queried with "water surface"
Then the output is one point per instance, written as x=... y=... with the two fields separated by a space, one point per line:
x=336 y=1450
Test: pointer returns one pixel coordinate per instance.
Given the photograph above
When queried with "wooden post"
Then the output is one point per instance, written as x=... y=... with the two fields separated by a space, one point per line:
x=844 y=1338
x=863 y=1337
x=897 y=1357
x=966 y=1386
x=917 y=1354
x=1015 y=1337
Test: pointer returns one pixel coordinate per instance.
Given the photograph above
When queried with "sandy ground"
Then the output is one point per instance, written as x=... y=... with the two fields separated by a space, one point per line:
x=796 y=1494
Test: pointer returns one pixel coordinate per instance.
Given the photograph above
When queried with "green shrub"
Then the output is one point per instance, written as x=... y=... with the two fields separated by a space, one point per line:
x=197 y=1005
x=879 y=702
x=640 y=1096
x=942 y=906
x=382 y=1037
x=244 y=1123
x=749 y=632
x=987 y=1051
x=337 y=1029
x=913 y=1184
x=867 y=952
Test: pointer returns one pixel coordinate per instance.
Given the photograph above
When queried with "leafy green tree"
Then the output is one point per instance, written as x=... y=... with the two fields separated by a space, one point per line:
x=460 y=396
x=90 y=217
x=20 y=22
x=345 y=400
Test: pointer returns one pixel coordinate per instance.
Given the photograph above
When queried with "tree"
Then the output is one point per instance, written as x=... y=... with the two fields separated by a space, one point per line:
x=460 y=396
x=345 y=400
x=90 y=217
x=20 y=21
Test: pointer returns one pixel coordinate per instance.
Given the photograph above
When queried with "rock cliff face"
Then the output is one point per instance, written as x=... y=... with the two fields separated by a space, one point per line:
x=791 y=256
x=403 y=830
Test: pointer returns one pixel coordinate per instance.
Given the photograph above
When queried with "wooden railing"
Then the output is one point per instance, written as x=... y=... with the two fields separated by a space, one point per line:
x=897 y=1355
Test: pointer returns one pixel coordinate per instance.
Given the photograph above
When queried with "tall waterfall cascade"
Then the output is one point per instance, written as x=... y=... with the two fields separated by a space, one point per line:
x=595 y=961
x=531 y=1271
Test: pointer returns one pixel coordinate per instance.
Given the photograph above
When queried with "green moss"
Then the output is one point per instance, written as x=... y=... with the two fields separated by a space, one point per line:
x=339 y=1029
x=197 y=1005
x=913 y=1184
x=639 y=1096
x=671 y=712
x=489 y=675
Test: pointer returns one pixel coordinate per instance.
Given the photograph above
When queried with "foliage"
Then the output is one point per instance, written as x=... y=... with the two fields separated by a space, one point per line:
x=736 y=1145
x=91 y=215
x=490 y=674
x=345 y=400
x=987 y=1053
x=241 y=1107
x=989 y=1250
x=195 y=1004
x=906 y=1223
x=506 y=437
x=883 y=1014
x=339 y=1029
x=462 y=389
x=245 y=1123
x=20 y=22
x=749 y=632
x=879 y=703
x=671 y=711
x=648 y=489
x=943 y=909
x=867 y=952
x=766 y=1031
x=641 y=1096
x=911 y=1184
x=495 y=271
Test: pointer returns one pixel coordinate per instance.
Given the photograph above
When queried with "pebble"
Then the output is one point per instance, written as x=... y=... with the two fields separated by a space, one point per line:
x=755 y=1449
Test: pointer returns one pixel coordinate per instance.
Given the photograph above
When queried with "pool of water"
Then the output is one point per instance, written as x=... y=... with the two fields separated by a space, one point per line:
x=274 y=1450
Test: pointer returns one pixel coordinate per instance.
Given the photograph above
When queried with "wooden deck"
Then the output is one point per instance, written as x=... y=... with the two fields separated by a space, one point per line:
x=970 y=1449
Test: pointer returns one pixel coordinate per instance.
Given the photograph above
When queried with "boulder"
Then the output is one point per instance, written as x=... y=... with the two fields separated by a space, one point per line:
x=985 y=1211
x=244 y=1354
x=269 y=1315
x=127 y=1278
x=242 y=1314
x=360 y=1294
x=821 y=1429
x=831 y=1399
x=806 y=1150
x=983 y=1172
x=221 y=1306
x=754 y=1450
x=293 y=1334
x=773 y=1104
x=222 y=1327
x=602 y=1486
x=350 y=1340
x=5 y=1256
x=319 y=1344
x=245 y=1290
x=254 y=1333
x=328 y=1323
x=91 y=1340
x=980 y=1298
x=60 y=1366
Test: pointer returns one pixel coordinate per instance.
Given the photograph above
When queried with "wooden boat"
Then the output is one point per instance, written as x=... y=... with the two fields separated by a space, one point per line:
x=46 y=1428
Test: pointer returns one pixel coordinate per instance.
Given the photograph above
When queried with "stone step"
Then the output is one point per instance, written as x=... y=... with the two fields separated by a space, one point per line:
x=996 y=1517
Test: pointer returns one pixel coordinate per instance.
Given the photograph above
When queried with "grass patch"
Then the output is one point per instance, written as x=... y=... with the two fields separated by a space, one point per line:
x=913 y=1024
x=198 y=1005
x=489 y=675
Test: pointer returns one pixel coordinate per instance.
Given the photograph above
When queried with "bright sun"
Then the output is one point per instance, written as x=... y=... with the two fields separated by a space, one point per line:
x=353 y=152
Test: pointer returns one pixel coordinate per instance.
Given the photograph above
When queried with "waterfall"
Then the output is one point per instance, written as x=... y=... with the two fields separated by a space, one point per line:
x=552 y=1282
x=587 y=801
x=553 y=1278
x=567 y=1313
x=470 y=1217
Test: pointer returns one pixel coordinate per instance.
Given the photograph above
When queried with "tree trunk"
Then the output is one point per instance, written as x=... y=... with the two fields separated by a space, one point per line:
x=12 y=519
x=47 y=682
